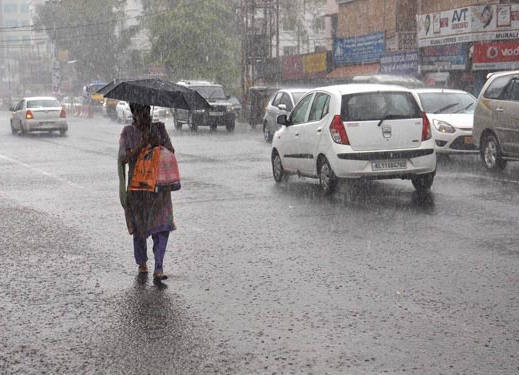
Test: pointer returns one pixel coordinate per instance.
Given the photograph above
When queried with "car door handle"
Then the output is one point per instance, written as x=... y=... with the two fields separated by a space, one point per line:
x=297 y=134
x=499 y=109
x=319 y=130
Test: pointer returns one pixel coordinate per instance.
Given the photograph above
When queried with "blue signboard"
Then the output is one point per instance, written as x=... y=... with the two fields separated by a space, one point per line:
x=358 y=50
x=400 y=63
x=443 y=58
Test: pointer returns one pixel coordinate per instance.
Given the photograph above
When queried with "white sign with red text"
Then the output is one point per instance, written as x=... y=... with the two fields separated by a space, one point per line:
x=469 y=24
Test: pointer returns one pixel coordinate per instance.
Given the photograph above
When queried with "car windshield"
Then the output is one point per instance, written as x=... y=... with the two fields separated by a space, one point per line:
x=378 y=105
x=447 y=103
x=210 y=92
x=43 y=103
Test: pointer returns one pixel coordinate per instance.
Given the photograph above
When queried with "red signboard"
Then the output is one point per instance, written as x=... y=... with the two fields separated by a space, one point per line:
x=496 y=55
x=292 y=67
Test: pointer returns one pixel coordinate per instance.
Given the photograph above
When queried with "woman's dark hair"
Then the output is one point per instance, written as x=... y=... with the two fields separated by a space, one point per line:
x=138 y=108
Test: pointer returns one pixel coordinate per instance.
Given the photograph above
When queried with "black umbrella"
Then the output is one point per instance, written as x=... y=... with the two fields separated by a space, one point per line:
x=110 y=85
x=156 y=92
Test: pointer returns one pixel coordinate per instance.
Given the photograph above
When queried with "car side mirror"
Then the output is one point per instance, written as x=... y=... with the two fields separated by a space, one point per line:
x=283 y=107
x=283 y=120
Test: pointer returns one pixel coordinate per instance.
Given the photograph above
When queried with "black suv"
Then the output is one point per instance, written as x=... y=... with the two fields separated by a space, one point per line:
x=220 y=114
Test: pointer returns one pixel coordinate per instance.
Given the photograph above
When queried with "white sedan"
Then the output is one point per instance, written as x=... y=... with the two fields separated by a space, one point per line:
x=355 y=131
x=124 y=114
x=451 y=113
x=38 y=114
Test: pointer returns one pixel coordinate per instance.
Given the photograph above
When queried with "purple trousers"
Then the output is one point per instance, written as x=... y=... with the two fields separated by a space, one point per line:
x=140 y=250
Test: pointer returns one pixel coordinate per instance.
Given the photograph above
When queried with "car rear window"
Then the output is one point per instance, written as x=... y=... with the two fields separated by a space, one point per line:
x=379 y=105
x=43 y=103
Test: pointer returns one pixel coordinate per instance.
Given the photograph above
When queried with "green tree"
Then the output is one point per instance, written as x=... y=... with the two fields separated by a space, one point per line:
x=90 y=31
x=196 y=39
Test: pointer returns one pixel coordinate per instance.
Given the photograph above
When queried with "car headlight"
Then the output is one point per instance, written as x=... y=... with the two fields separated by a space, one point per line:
x=443 y=126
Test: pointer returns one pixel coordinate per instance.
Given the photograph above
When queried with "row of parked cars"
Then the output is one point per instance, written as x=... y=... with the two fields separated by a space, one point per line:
x=388 y=131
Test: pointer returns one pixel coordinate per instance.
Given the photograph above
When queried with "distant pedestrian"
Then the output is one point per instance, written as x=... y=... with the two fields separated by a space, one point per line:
x=147 y=213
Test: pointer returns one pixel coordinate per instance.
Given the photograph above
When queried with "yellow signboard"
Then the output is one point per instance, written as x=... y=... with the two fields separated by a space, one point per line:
x=315 y=63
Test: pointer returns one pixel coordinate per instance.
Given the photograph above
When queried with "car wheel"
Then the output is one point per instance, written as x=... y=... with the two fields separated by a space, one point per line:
x=230 y=126
x=423 y=183
x=277 y=167
x=178 y=125
x=62 y=132
x=491 y=153
x=266 y=133
x=23 y=131
x=327 y=178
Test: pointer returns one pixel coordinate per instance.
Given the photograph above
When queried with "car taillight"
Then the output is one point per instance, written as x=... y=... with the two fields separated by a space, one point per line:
x=63 y=114
x=29 y=115
x=426 y=128
x=338 y=131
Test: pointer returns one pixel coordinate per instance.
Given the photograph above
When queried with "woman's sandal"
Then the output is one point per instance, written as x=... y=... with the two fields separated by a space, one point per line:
x=143 y=268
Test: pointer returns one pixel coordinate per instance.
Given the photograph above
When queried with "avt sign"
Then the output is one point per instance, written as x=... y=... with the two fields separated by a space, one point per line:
x=496 y=55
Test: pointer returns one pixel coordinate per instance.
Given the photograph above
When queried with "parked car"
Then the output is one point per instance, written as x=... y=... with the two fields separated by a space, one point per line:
x=235 y=106
x=38 y=113
x=451 y=114
x=124 y=114
x=355 y=131
x=496 y=120
x=220 y=113
x=159 y=113
x=281 y=103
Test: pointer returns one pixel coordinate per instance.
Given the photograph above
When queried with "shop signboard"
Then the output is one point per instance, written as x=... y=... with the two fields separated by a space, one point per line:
x=358 y=50
x=443 y=58
x=496 y=55
x=292 y=67
x=469 y=24
x=399 y=63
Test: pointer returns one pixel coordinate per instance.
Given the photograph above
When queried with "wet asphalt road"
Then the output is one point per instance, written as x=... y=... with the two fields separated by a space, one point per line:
x=264 y=278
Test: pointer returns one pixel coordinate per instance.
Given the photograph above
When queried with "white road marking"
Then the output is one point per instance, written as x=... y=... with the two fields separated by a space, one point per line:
x=41 y=171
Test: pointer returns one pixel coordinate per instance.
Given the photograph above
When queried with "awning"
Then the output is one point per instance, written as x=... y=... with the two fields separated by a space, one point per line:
x=354 y=70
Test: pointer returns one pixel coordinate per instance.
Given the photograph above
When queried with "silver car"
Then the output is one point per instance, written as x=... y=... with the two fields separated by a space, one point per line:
x=281 y=103
x=496 y=120
x=37 y=114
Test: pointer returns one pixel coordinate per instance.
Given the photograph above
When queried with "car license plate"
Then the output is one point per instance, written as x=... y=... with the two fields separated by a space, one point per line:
x=388 y=165
x=215 y=113
x=468 y=140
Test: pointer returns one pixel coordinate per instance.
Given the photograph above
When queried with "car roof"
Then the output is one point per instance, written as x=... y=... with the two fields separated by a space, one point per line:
x=356 y=88
x=40 y=98
x=438 y=90
x=500 y=74
x=197 y=83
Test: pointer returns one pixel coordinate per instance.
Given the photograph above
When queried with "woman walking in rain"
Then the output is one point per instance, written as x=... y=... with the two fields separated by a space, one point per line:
x=147 y=213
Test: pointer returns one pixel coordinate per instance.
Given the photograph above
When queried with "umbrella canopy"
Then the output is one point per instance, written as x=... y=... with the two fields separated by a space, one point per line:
x=110 y=85
x=157 y=92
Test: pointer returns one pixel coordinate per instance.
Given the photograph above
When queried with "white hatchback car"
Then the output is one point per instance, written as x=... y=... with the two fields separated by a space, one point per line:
x=37 y=114
x=451 y=113
x=356 y=131
x=124 y=114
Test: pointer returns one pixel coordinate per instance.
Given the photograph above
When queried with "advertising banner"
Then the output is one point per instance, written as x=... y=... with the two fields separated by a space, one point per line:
x=442 y=58
x=496 y=55
x=292 y=67
x=399 y=63
x=358 y=50
x=469 y=24
x=315 y=63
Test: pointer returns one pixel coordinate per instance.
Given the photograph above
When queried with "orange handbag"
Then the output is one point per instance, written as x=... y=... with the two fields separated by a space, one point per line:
x=145 y=173
x=156 y=168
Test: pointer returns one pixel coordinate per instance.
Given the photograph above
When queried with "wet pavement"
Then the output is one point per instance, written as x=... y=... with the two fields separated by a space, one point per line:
x=264 y=278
